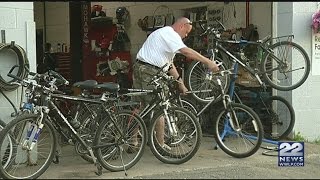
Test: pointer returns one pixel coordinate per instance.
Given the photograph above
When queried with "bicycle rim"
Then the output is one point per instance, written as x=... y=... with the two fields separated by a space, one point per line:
x=198 y=79
x=247 y=140
x=279 y=118
x=26 y=163
x=292 y=70
x=6 y=155
x=88 y=126
x=126 y=150
x=182 y=145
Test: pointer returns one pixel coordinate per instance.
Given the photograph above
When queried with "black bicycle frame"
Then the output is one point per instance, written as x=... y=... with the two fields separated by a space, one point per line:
x=255 y=72
x=74 y=132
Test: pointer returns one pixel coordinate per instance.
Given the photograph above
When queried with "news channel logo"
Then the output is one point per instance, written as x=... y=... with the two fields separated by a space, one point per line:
x=291 y=154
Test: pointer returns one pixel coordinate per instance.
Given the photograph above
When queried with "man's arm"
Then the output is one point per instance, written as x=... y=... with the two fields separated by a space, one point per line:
x=192 y=54
x=173 y=72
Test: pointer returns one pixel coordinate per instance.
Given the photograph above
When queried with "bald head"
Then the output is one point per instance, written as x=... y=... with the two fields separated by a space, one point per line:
x=182 y=20
x=182 y=26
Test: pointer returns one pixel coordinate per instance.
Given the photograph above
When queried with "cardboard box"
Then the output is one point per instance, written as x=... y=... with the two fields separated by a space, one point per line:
x=246 y=79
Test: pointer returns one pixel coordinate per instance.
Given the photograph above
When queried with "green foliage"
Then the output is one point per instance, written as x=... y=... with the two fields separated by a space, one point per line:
x=299 y=137
x=317 y=141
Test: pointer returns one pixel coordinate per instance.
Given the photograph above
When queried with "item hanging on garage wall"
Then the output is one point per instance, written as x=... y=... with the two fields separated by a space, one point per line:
x=16 y=53
x=104 y=36
x=122 y=14
x=162 y=16
x=112 y=67
x=121 y=41
x=96 y=11
x=214 y=15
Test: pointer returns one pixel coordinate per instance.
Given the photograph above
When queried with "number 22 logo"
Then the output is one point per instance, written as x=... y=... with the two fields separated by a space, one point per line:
x=293 y=149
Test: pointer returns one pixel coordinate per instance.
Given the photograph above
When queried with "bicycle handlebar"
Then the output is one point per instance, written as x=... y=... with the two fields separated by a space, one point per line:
x=44 y=77
x=225 y=72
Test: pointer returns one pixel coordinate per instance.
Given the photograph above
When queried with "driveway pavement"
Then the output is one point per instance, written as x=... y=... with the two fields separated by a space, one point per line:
x=207 y=163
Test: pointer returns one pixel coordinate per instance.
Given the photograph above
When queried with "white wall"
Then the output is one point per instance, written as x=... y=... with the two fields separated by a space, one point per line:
x=306 y=99
x=296 y=18
x=17 y=21
x=57 y=21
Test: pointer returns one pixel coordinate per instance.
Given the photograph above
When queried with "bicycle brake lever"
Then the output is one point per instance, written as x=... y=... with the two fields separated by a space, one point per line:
x=219 y=64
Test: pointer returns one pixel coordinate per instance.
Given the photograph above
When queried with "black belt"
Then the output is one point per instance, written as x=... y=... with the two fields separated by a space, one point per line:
x=147 y=64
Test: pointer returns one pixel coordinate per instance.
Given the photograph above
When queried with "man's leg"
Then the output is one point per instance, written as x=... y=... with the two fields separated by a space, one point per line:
x=160 y=131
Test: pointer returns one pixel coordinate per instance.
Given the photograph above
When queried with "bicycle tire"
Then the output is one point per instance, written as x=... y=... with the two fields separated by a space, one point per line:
x=2 y=124
x=87 y=123
x=197 y=79
x=190 y=105
x=284 y=112
x=109 y=157
x=5 y=160
x=187 y=129
x=287 y=84
x=47 y=128
x=227 y=141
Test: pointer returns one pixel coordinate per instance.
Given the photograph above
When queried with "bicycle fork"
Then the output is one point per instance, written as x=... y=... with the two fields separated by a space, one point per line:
x=26 y=145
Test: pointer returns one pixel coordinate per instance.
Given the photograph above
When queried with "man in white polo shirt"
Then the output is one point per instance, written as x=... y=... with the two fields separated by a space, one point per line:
x=160 y=49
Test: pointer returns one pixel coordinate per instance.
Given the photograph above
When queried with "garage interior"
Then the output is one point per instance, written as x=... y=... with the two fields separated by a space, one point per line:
x=86 y=40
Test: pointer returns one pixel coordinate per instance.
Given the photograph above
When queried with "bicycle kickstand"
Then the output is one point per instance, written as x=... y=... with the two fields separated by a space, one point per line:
x=124 y=168
x=99 y=169
x=56 y=157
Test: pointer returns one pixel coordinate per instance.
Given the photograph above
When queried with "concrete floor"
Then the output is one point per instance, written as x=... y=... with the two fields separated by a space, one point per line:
x=213 y=163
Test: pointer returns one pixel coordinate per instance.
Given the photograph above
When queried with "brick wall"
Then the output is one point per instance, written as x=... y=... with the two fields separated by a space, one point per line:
x=18 y=22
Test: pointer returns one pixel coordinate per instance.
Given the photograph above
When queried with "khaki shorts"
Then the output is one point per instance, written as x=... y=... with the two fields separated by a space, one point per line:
x=142 y=75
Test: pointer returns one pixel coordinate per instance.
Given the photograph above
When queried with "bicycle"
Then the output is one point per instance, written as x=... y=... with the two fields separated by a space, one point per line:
x=278 y=117
x=41 y=120
x=276 y=67
x=234 y=121
x=182 y=132
x=83 y=115
x=276 y=113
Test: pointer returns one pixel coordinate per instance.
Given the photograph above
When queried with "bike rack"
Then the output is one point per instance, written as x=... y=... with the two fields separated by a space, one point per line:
x=227 y=129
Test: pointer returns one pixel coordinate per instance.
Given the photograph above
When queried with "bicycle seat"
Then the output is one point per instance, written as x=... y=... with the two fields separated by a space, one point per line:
x=87 y=84
x=109 y=86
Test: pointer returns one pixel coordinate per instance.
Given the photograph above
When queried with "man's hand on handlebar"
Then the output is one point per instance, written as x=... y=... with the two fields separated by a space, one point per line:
x=213 y=66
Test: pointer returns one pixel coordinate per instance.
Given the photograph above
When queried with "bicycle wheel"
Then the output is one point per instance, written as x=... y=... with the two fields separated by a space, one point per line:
x=120 y=150
x=197 y=78
x=189 y=105
x=27 y=163
x=280 y=114
x=6 y=155
x=181 y=145
x=87 y=116
x=247 y=139
x=289 y=69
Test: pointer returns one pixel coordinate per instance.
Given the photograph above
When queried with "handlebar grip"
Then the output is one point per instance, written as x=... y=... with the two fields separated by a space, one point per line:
x=13 y=67
x=32 y=73
x=59 y=77
x=14 y=76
